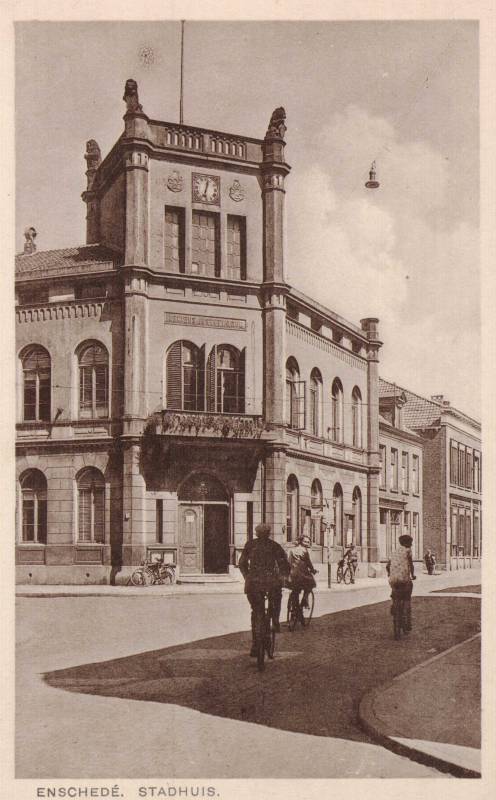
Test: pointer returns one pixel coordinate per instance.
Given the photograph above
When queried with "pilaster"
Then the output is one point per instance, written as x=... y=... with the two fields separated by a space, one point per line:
x=370 y=327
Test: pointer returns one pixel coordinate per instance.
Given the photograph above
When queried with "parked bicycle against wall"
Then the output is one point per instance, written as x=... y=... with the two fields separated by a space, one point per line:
x=153 y=572
x=345 y=572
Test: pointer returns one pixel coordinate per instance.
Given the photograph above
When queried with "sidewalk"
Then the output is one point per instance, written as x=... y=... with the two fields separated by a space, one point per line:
x=432 y=719
x=423 y=582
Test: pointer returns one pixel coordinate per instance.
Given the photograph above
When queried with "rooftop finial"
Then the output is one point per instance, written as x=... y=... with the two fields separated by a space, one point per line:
x=29 y=244
x=131 y=97
x=277 y=126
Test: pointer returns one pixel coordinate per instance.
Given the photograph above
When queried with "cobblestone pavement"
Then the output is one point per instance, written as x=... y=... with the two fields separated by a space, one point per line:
x=205 y=710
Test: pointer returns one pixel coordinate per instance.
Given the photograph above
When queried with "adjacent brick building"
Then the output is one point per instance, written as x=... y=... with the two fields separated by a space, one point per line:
x=173 y=389
x=452 y=475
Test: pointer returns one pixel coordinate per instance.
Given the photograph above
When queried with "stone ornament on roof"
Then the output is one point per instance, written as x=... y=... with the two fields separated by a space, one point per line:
x=29 y=244
x=277 y=126
x=131 y=97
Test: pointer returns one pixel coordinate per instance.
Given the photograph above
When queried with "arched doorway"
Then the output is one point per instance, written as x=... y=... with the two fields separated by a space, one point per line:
x=203 y=525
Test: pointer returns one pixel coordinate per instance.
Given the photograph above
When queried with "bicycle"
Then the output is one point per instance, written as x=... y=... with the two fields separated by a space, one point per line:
x=265 y=635
x=344 y=573
x=297 y=612
x=153 y=572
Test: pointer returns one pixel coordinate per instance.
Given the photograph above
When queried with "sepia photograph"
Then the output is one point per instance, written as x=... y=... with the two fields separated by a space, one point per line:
x=249 y=522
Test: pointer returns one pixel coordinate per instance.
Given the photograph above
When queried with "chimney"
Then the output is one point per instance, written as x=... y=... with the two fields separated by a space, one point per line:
x=29 y=244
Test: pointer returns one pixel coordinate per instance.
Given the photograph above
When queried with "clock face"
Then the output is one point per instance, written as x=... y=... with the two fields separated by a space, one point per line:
x=206 y=189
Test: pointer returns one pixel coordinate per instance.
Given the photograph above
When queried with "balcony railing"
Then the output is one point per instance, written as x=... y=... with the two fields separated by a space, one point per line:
x=202 y=423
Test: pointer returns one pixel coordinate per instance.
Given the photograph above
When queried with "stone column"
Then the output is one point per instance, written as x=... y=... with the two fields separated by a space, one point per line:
x=370 y=327
x=275 y=491
x=274 y=171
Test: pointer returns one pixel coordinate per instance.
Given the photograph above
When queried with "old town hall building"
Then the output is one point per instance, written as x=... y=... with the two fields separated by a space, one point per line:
x=173 y=390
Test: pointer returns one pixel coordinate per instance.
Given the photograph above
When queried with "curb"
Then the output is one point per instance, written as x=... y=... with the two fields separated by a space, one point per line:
x=371 y=725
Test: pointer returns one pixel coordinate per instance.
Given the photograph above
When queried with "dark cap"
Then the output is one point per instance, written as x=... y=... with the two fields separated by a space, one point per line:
x=263 y=529
x=405 y=540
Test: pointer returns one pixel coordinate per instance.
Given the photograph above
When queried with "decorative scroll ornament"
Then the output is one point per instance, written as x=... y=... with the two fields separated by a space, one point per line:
x=175 y=182
x=236 y=192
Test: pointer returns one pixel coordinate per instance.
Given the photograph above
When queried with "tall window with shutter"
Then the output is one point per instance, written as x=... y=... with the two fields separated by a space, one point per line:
x=337 y=411
x=236 y=248
x=174 y=239
x=34 y=507
x=185 y=377
x=91 y=506
x=205 y=244
x=36 y=367
x=93 y=381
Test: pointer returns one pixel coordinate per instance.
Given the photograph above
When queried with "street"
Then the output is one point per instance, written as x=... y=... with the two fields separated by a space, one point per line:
x=155 y=686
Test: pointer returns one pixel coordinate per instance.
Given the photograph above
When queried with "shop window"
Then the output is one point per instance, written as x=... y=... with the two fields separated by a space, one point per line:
x=36 y=367
x=34 y=507
x=91 y=506
x=236 y=248
x=93 y=381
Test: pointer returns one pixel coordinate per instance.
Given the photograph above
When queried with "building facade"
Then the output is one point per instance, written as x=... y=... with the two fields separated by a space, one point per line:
x=400 y=482
x=452 y=475
x=173 y=390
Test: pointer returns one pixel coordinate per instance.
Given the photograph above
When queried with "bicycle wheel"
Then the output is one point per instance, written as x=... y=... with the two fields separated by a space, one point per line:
x=137 y=577
x=260 y=642
x=307 y=612
x=270 y=640
x=166 y=575
x=293 y=611
x=339 y=574
x=347 y=575
x=397 y=618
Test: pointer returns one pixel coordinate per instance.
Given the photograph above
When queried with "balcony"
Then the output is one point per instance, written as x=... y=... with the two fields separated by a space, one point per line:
x=207 y=424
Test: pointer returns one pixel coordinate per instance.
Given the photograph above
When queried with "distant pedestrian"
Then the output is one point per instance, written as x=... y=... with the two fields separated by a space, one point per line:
x=351 y=557
x=430 y=562
x=401 y=575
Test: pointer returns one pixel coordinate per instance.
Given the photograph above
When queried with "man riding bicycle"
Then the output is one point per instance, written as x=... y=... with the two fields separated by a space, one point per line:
x=401 y=576
x=264 y=565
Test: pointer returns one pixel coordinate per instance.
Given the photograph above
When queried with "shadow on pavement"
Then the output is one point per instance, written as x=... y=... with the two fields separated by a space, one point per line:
x=475 y=589
x=313 y=686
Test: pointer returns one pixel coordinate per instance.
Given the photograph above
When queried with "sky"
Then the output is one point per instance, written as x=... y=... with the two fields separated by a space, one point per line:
x=404 y=94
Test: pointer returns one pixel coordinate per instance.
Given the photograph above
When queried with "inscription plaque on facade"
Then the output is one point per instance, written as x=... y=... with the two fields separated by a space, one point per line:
x=198 y=320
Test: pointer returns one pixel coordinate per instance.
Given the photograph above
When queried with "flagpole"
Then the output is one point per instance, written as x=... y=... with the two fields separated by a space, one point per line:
x=182 y=67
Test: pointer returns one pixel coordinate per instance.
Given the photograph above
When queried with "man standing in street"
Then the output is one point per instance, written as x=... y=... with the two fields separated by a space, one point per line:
x=264 y=565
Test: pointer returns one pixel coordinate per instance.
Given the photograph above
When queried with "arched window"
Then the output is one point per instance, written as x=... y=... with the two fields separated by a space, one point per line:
x=295 y=396
x=317 y=503
x=337 y=502
x=337 y=411
x=356 y=417
x=34 y=506
x=316 y=402
x=185 y=377
x=93 y=381
x=36 y=368
x=357 y=517
x=91 y=506
x=230 y=384
x=292 y=508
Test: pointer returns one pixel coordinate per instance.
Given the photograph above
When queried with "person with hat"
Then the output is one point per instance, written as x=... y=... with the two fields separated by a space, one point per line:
x=401 y=575
x=264 y=565
x=302 y=569
x=430 y=562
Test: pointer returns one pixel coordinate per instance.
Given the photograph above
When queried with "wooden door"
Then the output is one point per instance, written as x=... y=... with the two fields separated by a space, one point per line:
x=190 y=539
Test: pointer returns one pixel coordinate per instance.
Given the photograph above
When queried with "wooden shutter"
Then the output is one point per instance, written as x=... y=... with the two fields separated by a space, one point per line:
x=211 y=379
x=174 y=377
x=241 y=382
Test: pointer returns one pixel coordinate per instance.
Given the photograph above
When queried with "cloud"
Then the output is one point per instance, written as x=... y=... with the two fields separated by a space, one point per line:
x=399 y=252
